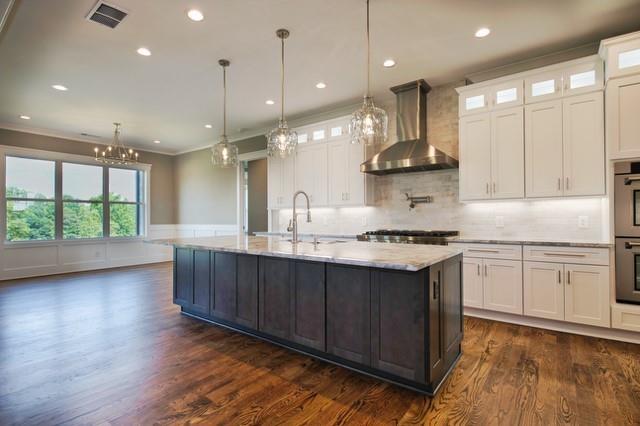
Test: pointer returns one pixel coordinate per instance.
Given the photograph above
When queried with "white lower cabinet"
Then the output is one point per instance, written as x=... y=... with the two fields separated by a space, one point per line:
x=472 y=270
x=543 y=285
x=574 y=293
x=502 y=285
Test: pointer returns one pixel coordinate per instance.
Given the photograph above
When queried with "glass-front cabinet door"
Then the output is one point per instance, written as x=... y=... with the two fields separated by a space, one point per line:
x=474 y=101
x=543 y=87
x=583 y=78
x=507 y=94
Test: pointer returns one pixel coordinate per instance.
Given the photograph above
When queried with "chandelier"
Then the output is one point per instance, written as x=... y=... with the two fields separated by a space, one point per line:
x=368 y=125
x=224 y=154
x=117 y=152
x=282 y=141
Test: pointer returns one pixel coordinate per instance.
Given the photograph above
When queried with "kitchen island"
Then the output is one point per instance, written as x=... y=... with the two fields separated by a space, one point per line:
x=392 y=311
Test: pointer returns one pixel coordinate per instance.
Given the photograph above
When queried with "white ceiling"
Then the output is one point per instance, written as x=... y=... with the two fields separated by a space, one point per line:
x=171 y=94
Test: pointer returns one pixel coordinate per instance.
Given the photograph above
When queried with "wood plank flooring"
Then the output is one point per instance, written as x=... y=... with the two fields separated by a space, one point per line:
x=109 y=347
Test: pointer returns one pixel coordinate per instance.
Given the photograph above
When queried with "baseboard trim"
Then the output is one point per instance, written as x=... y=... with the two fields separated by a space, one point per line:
x=561 y=326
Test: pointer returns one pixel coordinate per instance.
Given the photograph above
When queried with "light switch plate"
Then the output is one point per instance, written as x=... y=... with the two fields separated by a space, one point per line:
x=583 y=222
x=499 y=221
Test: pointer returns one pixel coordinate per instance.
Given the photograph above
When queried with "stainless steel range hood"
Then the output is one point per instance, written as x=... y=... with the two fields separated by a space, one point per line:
x=411 y=153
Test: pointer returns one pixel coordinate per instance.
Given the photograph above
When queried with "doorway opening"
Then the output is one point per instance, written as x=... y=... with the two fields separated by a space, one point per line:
x=255 y=212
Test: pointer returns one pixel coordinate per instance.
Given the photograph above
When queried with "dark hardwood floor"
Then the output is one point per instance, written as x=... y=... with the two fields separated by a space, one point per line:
x=109 y=347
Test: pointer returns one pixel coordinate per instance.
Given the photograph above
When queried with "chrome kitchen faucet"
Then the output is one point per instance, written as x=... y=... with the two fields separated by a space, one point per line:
x=293 y=223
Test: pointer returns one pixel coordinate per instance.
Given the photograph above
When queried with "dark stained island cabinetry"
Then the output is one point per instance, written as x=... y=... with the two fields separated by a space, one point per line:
x=401 y=326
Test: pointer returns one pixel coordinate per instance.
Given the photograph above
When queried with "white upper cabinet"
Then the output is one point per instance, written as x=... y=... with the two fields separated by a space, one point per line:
x=507 y=94
x=543 y=149
x=543 y=87
x=502 y=95
x=507 y=153
x=583 y=78
x=475 y=157
x=621 y=54
x=623 y=112
x=337 y=156
x=280 y=184
x=583 y=144
x=311 y=172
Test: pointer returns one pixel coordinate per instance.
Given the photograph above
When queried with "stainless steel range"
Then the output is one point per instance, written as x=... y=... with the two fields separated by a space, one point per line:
x=409 y=236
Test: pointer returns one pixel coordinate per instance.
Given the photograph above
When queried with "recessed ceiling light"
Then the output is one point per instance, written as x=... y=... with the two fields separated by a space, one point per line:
x=483 y=32
x=60 y=87
x=156 y=141
x=208 y=126
x=25 y=117
x=269 y=102
x=195 y=15
x=144 y=51
x=321 y=85
x=388 y=63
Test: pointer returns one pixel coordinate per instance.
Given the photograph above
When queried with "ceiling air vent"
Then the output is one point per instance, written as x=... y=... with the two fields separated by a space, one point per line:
x=106 y=14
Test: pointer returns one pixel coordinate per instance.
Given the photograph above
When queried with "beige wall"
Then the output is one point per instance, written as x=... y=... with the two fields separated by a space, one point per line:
x=162 y=209
x=206 y=195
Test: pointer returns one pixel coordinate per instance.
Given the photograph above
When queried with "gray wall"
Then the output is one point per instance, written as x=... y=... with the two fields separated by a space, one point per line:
x=205 y=195
x=162 y=206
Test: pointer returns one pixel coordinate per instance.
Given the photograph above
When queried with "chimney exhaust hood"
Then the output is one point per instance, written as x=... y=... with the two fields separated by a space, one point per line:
x=411 y=153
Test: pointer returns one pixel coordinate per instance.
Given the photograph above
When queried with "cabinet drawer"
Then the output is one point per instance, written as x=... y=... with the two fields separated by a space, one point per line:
x=490 y=251
x=577 y=255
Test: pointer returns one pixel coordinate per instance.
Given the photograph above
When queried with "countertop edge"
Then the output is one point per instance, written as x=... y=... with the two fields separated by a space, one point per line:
x=585 y=244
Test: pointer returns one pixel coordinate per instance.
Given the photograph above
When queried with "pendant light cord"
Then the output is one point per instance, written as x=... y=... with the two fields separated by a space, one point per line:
x=282 y=82
x=224 y=100
x=368 y=53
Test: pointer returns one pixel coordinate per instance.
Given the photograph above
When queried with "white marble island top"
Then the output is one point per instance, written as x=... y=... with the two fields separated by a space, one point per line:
x=406 y=257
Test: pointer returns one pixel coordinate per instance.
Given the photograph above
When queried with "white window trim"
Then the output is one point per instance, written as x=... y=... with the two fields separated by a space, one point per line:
x=6 y=150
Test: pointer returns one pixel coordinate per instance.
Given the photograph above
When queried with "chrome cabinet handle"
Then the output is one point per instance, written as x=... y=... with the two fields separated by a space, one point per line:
x=494 y=187
x=559 y=277
x=478 y=269
x=567 y=183
x=569 y=277
x=565 y=254
x=487 y=187
x=559 y=184
x=485 y=270
x=630 y=180
x=631 y=244
x=484 y=250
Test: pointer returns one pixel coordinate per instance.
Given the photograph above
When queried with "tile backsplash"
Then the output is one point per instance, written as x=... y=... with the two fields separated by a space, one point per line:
x=575 y=219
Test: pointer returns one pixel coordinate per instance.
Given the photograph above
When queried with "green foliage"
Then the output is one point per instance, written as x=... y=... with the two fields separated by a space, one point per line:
x=35 y=220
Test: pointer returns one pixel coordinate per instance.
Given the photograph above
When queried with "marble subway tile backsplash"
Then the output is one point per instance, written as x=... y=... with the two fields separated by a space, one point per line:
x=521 y=219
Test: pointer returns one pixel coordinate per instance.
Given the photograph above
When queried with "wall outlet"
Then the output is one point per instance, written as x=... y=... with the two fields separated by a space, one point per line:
x=363 y=221
x=583 y=222
x=499 y=221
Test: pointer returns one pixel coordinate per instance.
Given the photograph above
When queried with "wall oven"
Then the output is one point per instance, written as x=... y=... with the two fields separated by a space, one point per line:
x=627 y=230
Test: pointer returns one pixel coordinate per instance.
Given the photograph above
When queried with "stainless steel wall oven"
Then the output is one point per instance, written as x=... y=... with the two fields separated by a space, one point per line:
x=627 y=231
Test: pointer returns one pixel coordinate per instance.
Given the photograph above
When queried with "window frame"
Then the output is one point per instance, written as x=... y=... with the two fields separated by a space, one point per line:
x=59 y=158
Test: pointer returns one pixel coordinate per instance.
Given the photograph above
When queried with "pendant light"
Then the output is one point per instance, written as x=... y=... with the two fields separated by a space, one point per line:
x=224 y=154
x=368 y=125
x=282 y=141
x=117 y=152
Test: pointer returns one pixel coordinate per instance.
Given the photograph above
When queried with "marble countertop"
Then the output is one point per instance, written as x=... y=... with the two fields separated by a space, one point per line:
x=308 y=236
x=406 y=257
x=534 y=242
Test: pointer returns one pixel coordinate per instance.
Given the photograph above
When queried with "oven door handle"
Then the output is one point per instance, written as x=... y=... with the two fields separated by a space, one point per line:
x=631 y=244
x=630 y=180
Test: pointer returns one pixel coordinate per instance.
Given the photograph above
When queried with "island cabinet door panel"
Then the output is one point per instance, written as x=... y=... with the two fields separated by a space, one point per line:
x=201 y=278
x=398 y=323
x=274 y=293
x=183 y=277
x=246 y=312
x=223 y=295
x=307 y=304
x=348 y=312
x=451 y=294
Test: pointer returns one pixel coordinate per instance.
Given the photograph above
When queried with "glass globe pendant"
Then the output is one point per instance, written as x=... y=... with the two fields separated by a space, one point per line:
x=282 y=141
x=224 y=154
x=369 y=124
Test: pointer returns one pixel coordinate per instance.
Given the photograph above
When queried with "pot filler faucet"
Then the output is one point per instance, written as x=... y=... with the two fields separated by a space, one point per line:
x=293 y=223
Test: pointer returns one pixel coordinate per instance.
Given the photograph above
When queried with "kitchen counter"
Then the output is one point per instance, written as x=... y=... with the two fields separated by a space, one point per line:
x=377 y=255
x=533 y=242
x=307 y=235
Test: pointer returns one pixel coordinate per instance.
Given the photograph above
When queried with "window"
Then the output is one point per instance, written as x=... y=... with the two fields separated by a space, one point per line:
x=583 y=79
x=473 y=102
x=506 y=95
x=125 y=203
x=54 y=199
x=545 y=87
x=30 y=190
x=629 y=59
x=82 y=201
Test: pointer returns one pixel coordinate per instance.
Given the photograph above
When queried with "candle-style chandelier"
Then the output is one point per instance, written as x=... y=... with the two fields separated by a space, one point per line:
x=117 y=152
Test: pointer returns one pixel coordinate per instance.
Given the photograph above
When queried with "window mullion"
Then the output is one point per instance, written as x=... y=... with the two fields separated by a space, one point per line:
x=106 y=217
x=58 y=200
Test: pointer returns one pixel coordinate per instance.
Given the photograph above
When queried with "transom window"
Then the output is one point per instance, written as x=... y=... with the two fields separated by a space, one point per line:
x=628 y=59
x=53 y=199
x=545 y=87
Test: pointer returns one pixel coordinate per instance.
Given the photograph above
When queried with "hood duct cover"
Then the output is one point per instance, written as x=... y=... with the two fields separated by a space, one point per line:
x=411 y=153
